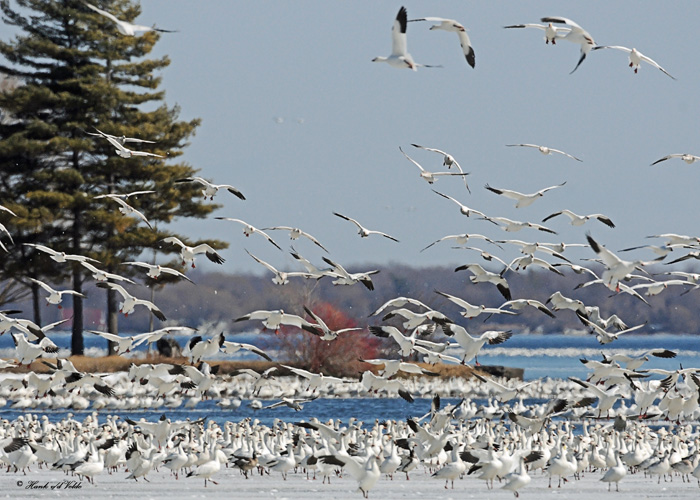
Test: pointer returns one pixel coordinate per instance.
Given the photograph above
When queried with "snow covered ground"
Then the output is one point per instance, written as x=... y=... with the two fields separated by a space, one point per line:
x=38 y=484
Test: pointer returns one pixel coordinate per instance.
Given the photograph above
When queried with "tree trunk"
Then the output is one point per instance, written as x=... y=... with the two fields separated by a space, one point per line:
x=36 y=303
x=77 y=346
x=112 y=320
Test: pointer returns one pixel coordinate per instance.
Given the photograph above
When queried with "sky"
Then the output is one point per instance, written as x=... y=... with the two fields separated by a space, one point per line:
x=296 y=116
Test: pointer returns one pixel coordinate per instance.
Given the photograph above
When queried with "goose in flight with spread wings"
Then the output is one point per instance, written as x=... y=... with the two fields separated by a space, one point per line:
x=580 y=220
x=129 y=302
x=431 y=177
x=154 y=271
x=470 y=310
x=455 y=27
x=577 y=35
x=616 y=268
x=188 y=253
x=281 y=277
x=399 y=57
x=249 y=229
x=55 y=296
x=686 y=157
x=124 y=27
x=101 y=275
x=545 y=150
x=272 y=320
x=363 y=231
x=295 y=233
x=551 y=32
x=60 y=256
x=463 y=209
x=635 y=57
x=210 y=189
x=123 y=151
x=343 y=277
x=125 y=208
x=522 y=200
x=461 y=239
x=447 y=160
x=322 y=330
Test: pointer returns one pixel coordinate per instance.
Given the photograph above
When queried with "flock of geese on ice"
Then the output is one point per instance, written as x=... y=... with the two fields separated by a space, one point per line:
x=506 y=443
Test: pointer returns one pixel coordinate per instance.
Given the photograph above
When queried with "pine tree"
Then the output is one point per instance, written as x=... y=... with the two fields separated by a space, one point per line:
x=78 y=76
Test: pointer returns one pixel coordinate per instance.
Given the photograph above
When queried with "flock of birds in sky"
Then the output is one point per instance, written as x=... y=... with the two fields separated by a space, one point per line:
x=451 y=441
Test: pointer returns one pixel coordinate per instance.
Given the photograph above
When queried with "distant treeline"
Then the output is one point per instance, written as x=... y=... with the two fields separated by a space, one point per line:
x=219 y=298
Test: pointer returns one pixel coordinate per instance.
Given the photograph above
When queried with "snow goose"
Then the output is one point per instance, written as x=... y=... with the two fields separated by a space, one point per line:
x=316 y=380
x=580 y=220
x=606 y=399
x=520 y=304
x=210 y=189
x=397 y=302
x=512 y=226
x=393 y=366
x=605 y=337
x=295 y=233
x=470 y=310
x=123 y=344
x=577 y=35
x=92 y=466
x=60 y=256
x=405 y=343
x=560 y=302
x=551 y=32
x=124 y=27
x=399 y=57
x=522 y=200
x=520 y=478
x=248 y=229
x=188 y=253
x=207 y=469
x=343 y=277
x=154 y=271
x=55 y=296
x=156 y=335
x=197 y=348
x=272 y=320
x=296 y=404
x=27 y=352
x=688 y=158
x=230 y=347
x=521 y=263
x=104 y=276
x=431 y=177
x=545 y=150
x=452 y=469
x=375 y=383
x=129 y=302
x=616 y=269
x=364 y=470
x=635 y=57
x=472 y=345
x=463 y=209
x=125 y=208
x=281 y=277
x=481 y=275
x=455 y=27
x=461 y=239
x=363 y=231
x=322 y=330
x=125 y=152
x=504 y=393
x=413 y=319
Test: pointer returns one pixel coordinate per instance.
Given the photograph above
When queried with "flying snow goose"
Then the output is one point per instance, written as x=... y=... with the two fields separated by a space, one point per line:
x=461 y=239
x=375 y=383
x=551 y=32
x=635 y=57
x=470 y=310
x=5 y=209
x=210 y=189
x=123 y=151
x=560 y=302
x=27 y=352
x=249 y=229
x=272 y=320
x=125 y=208
x=414 y=320
x=123 y=139
x=399 y=57
x=522 y=200
x=464 y=210
x=197 y=348
x=123 y=344
x=431 y=177
x=481 y=275
x=100 y=275
x=124 y=27
x=281 y=277
x=519 y=304
x=363 y=231
x=616 y=268
x=230 y=347
x=488 y=257
x=316 y=380
x=55 y=296
x=155 y=270
x=605 y=337
x=295 y=404
x=472 y=345
x=504 y=393
x=343 y=277
x=455 y=27
x=580 y=220
x=511 y=226
x=393 y=366
x=188 y=253
x=322 y=330
x=686 y=157
x=545 y=150
x=60 y=256
x=398 y=302
x=129 y=302
x=156 y=335
x=405 y=343
x=295 y=233
x=521 y=263
x=577 y=35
